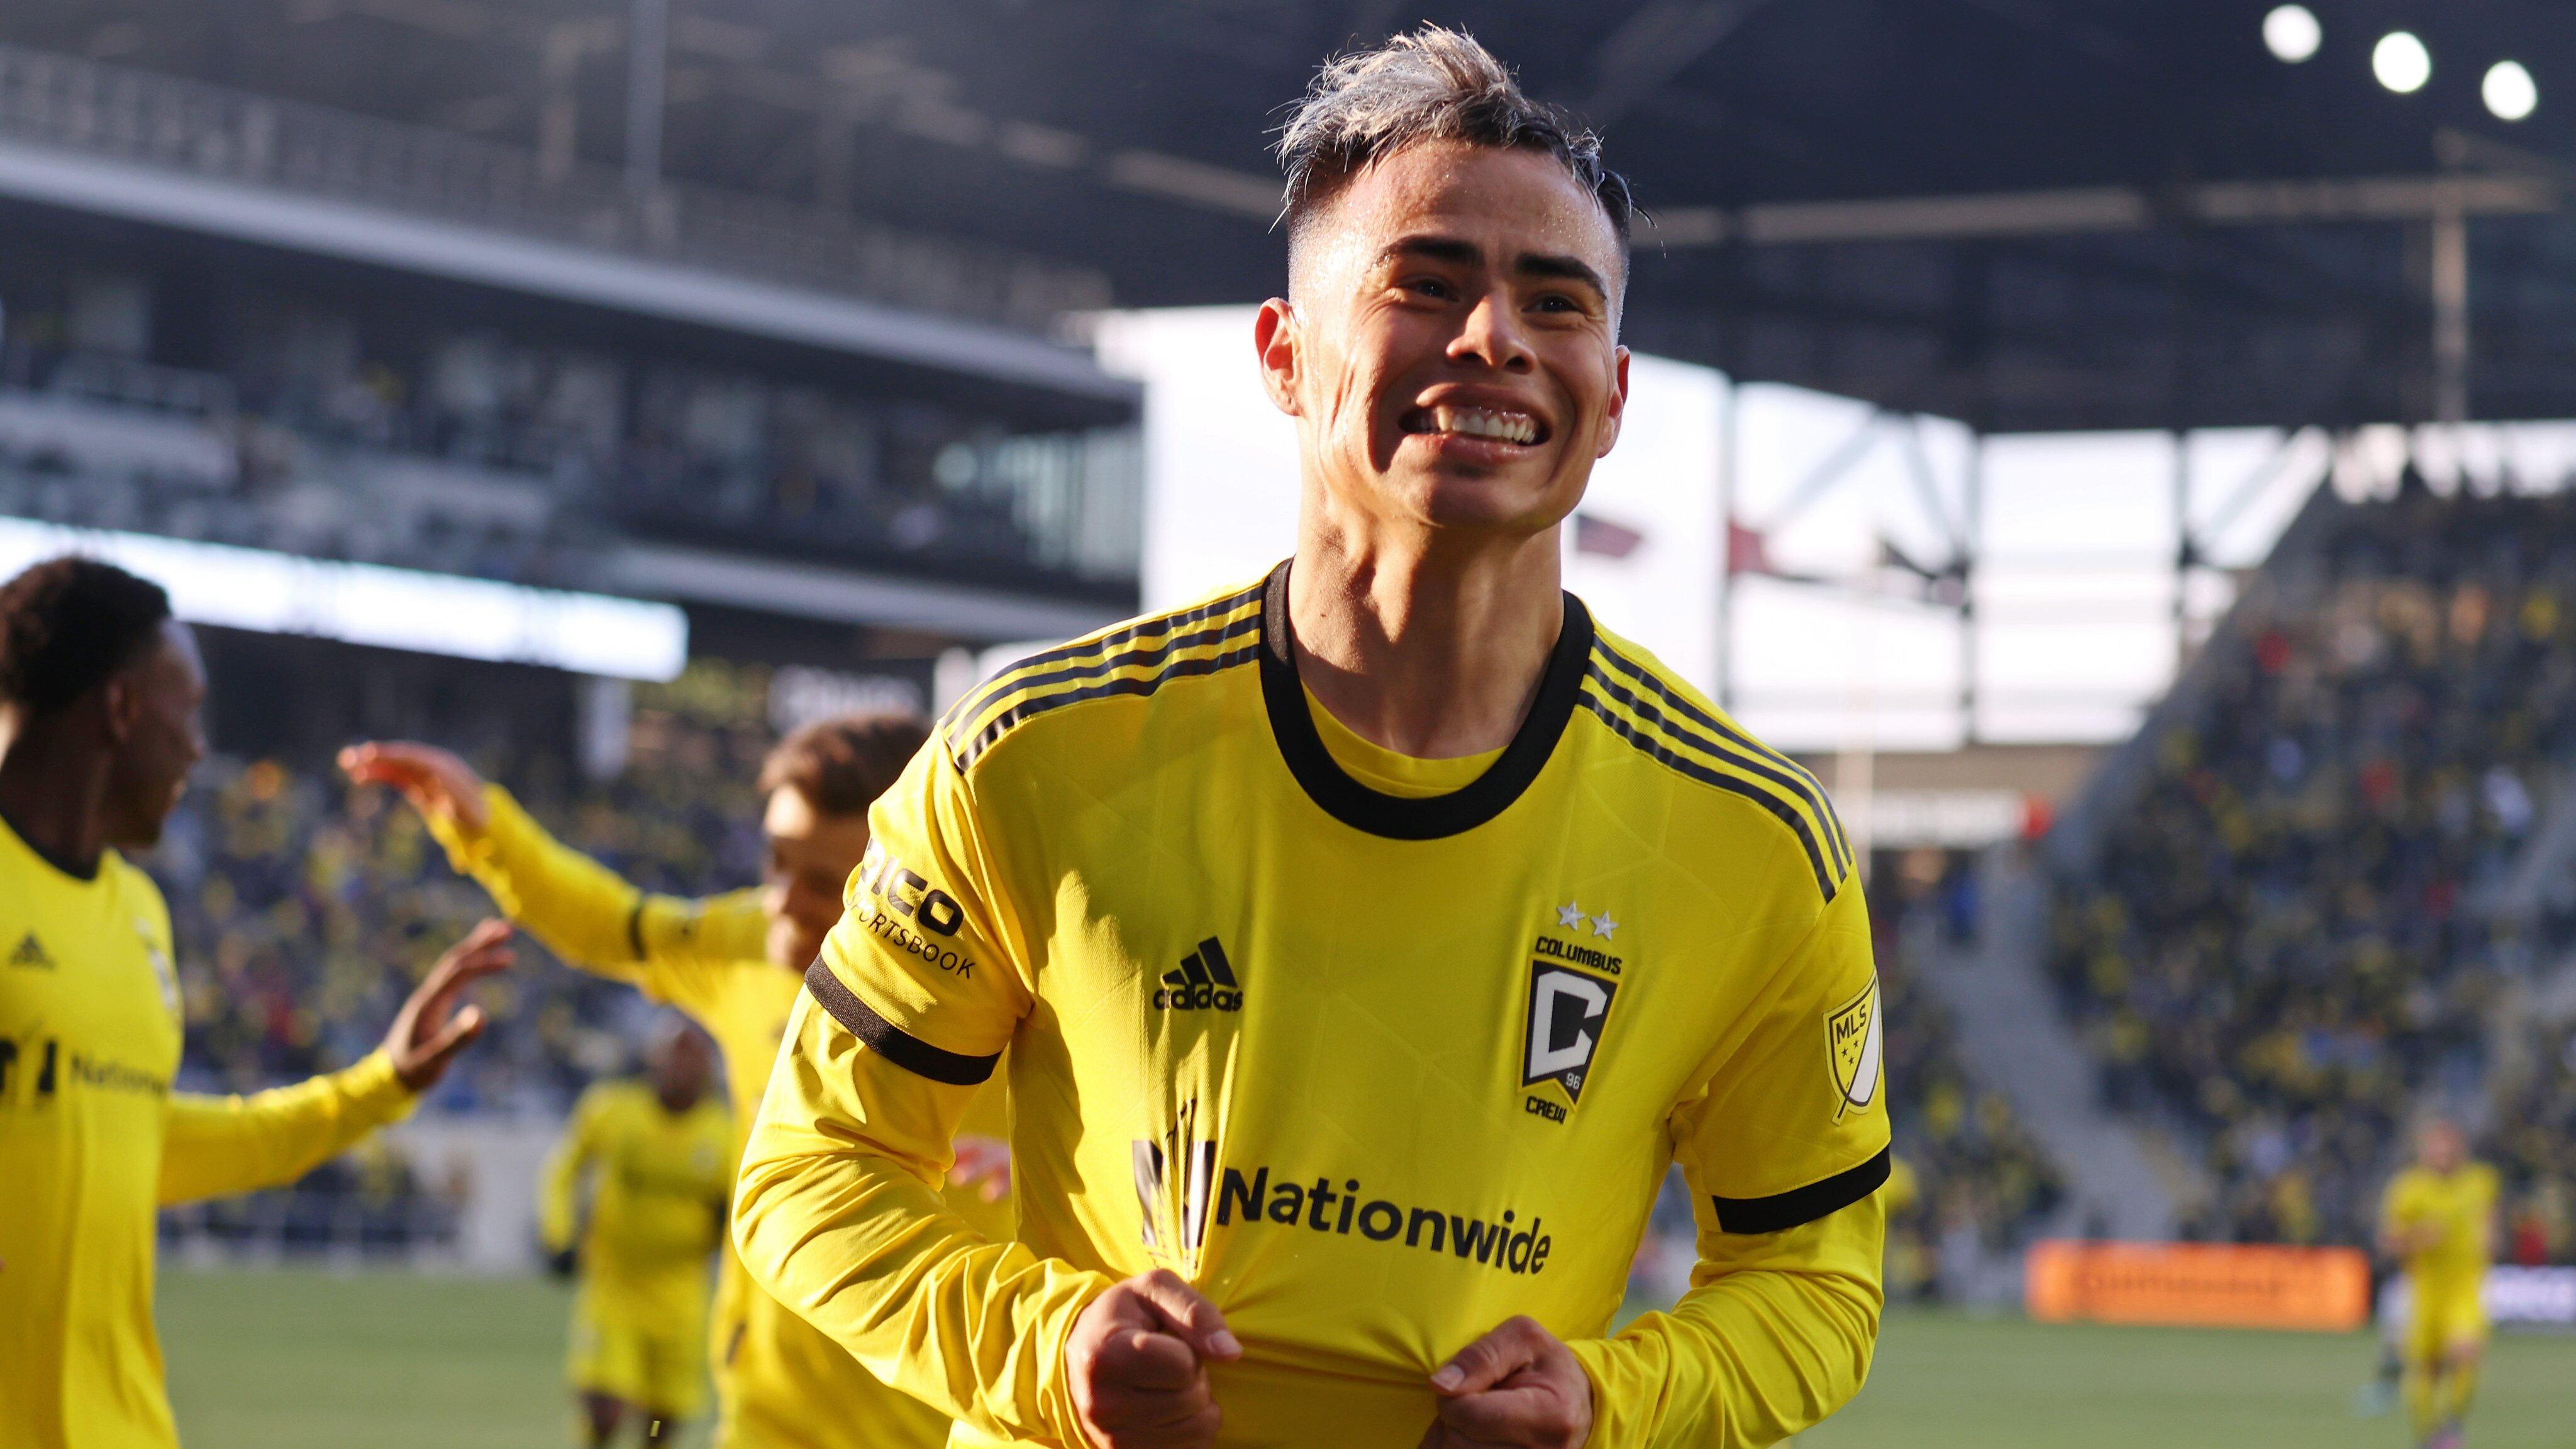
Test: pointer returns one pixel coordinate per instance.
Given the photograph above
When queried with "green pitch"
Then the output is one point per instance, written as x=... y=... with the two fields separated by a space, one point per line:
x=303 y=1360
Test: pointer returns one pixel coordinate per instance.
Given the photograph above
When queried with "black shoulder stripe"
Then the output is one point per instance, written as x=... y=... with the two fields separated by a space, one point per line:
x=1745 y=755
x=635 y=928
x=1801 y=1205
x=1107 y=644
x=1681 y=704
x=1779 y=808
x=1149 y=655
x=1029 y=709
x=890 y=1041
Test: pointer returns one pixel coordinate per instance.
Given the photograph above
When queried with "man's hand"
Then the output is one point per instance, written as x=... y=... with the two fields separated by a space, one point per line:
x=1515 y=1386
x=983 y=1164
x=1138 y=1358
x=428 y=1032
x=435 y=781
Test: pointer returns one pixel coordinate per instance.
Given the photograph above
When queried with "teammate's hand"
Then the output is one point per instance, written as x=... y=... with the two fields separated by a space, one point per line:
x=1517 y=1385
x=1138 y=1359
x=435 y=781
x=983 y=1164
x=428 y=1032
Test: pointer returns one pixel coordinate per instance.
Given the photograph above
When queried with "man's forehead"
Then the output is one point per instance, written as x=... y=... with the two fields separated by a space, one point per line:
x=1507 y=203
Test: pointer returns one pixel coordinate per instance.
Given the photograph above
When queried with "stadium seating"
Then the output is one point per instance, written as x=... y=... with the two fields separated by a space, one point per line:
x=2286 y=942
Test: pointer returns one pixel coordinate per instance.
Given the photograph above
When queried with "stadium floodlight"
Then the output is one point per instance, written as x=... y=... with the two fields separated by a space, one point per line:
x=2401 y=62
x=2510 y=92
x=277 y=593
x=2292 y=34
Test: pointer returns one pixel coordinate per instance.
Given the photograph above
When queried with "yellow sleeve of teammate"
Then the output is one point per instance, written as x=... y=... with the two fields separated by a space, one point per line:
x=585 y=913
x=837 y=1212
x=1784 y=1152
x=217 y=1146
x=559 y=1191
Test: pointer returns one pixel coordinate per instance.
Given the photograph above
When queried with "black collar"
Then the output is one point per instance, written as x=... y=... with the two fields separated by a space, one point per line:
x=1400 y=817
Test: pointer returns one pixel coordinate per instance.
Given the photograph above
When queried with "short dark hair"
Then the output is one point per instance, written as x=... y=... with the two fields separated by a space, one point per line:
x=68 y=625
x=841 y=765
x=1432 y=85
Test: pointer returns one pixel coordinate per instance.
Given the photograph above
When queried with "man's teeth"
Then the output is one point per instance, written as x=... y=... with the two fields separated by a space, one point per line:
x=1486 y=423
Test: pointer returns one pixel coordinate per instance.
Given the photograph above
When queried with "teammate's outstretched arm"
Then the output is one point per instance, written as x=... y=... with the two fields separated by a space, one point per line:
x=216 y=1146
x=582 y=910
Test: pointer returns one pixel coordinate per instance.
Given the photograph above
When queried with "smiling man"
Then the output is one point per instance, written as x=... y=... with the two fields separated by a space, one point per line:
x=1367 y=941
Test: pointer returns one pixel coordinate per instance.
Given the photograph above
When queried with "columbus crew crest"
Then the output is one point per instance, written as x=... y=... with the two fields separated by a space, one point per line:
x=1852 y=1043
x=1567 y=1012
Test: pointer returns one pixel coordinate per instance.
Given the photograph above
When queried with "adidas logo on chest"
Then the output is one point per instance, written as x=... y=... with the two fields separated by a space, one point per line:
x=1204 y=981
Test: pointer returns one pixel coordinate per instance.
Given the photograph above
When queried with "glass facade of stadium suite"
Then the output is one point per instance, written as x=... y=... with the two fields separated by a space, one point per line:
x=387 y=421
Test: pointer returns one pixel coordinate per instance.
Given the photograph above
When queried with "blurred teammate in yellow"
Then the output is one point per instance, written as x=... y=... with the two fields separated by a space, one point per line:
x=2438 y=1219
x=733 y=964
x=99 y=697
x=657 y=1157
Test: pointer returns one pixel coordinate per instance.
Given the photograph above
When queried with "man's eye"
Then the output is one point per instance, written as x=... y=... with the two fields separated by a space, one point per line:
x=1428 y=287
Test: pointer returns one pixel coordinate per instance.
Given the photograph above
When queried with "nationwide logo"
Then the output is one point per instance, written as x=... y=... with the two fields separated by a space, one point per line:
x=30 y=952
x=1174 y=1179
x=1204 y=982
x=1853 y=1049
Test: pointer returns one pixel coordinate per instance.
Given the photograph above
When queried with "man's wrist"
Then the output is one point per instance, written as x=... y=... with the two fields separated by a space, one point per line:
x=1055 y=1393
x=1593 y=1355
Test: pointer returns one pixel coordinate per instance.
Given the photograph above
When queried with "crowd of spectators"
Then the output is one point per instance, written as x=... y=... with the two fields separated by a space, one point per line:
x=2286 y=948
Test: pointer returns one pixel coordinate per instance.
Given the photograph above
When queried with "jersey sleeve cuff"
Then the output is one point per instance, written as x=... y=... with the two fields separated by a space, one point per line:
x=1782 y=1211
x=373 y=1090
x=890 y=1041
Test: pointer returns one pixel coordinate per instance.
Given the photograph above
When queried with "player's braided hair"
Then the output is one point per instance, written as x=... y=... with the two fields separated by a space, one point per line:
x=1432 y=85
x=841 y=765
x=69 y=624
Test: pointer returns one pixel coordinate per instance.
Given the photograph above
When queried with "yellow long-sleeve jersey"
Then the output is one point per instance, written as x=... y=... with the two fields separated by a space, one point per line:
x=93 y=1140
x=782 y=1383
x=1376 y=1052
x=657 y=1179
x=2460 y=1207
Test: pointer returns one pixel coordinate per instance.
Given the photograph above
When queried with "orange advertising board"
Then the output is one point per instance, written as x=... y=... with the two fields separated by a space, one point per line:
x=2209 y=1285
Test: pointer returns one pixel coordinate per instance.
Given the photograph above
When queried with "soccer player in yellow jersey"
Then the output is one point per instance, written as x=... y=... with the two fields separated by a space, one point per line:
x=99 y=698
x=657 y=1156
x=2438 y=1219
x=733 y=964
x=1367 y=941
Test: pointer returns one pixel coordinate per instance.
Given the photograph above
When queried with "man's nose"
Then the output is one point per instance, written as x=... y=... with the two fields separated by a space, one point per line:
x=1493 y=336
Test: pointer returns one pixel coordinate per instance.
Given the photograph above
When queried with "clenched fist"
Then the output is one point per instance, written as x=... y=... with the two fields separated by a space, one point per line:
x=1517 y=1386
x=1138 y=1359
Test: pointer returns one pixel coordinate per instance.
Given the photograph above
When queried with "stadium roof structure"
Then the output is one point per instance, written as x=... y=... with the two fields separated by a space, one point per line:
x=2028 y=214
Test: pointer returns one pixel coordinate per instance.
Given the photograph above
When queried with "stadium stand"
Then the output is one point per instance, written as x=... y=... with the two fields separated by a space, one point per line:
x=1977 y=1184
x=2283 y=945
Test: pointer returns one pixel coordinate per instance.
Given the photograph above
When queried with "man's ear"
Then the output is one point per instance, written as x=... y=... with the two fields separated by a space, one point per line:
x=1275 y=342
x=120 y=706
x=1617 y=408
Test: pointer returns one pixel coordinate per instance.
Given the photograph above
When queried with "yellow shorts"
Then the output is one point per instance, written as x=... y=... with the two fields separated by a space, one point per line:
x=2444 y=1316
x=625 y=1349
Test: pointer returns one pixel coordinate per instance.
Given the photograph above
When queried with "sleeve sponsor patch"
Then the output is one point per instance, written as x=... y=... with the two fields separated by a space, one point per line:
x=1853 y=1050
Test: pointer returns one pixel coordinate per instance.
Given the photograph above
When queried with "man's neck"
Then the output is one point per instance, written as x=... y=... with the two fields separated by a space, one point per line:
x=1422 y=644
x=54 y=796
